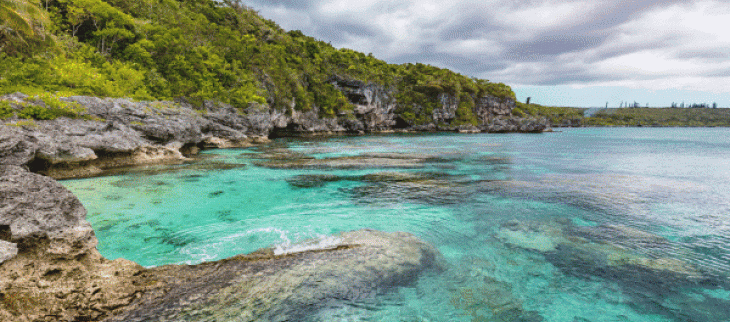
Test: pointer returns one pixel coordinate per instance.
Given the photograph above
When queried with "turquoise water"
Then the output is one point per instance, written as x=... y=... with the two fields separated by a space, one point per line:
x=625 y=224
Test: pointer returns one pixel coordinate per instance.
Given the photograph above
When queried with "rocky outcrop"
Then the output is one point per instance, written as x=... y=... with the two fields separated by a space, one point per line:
x=506 y=125
x=266 y=287
x=374 y=106
x=16 y=147
x=50 y=269
x=117 y=132
x=120 y=132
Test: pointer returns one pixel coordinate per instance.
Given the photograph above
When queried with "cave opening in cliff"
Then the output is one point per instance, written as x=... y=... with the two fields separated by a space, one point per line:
x=282 y=132
x=400 y=123
x=357 y=98
x=39 y=165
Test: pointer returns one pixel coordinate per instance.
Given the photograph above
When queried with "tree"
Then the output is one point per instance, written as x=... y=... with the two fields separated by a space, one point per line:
x=21 y=22
x=111 y=25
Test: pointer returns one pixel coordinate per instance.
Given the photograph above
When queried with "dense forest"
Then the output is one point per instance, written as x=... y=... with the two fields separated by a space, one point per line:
x=202 y=50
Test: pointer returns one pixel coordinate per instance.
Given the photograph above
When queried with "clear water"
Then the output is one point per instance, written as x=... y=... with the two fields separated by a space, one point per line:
x=670 y=184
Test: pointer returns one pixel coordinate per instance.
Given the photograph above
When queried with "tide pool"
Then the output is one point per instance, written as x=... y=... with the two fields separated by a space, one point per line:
x=624 y=224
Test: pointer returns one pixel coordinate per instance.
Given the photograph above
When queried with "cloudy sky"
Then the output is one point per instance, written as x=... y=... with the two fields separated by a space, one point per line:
x=568 y=53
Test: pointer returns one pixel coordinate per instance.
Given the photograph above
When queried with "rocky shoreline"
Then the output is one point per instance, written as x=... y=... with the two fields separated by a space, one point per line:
x=119 y=132
x=50 y=269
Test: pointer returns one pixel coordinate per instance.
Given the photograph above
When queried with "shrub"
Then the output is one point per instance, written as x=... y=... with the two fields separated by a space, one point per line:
x=6 y=111
x=53 y=108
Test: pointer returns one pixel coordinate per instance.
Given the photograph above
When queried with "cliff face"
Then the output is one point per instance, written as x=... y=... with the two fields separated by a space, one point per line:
x=375 y=111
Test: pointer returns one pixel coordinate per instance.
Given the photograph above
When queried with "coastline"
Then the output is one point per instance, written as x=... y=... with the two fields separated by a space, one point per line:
x=113 y=133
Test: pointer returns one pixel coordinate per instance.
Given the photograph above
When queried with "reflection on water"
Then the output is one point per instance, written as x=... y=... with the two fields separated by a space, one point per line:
x=583 y=225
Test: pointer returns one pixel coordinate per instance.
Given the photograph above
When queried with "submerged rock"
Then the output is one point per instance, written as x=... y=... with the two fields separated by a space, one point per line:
x=427 y=187
x=647 y=267
x=607 y=193
x=492 y=300
x=625 y=254
x=344 y=163
x=312 y=180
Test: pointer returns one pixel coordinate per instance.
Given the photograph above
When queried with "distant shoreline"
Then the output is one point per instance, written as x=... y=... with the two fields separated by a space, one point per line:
x=639 y=117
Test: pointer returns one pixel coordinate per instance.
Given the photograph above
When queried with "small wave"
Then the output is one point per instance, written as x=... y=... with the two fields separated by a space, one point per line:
x=318 y=243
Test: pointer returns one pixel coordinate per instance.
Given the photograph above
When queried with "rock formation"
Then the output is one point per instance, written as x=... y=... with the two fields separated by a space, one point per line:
x=120 y=132
x=51 y=270
x=289 y=287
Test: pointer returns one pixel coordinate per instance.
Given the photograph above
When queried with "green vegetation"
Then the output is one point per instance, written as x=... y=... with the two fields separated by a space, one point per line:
x=201 y=50
x=628 y=116
x=420 y=85
x=6 y=111
x=43 y=106
x=661 y=117
x=23 y=28
x=556 y=115
x=23 y=123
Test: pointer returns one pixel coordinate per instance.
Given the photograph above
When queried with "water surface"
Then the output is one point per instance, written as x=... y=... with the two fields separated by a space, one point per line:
x=626 y=224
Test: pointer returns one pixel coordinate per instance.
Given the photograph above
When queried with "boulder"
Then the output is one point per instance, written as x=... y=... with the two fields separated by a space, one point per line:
x=49 y=266
x=35 y=207
x=264 y=286
x=16 y=147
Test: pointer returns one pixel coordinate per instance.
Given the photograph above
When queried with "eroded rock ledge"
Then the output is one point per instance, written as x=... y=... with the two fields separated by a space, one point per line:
x=50 y=269
x=120 y=132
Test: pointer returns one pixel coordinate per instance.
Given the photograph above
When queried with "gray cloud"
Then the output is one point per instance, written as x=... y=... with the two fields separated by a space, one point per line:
x=544 y=47
x=530 y=42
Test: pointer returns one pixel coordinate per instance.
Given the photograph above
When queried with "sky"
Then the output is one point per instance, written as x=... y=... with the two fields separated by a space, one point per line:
x=561 y=53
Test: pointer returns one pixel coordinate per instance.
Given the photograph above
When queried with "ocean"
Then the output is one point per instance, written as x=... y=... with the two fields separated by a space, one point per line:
x=585 y=224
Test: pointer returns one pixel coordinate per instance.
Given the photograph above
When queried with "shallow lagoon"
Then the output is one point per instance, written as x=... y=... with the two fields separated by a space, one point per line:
x=625 y=224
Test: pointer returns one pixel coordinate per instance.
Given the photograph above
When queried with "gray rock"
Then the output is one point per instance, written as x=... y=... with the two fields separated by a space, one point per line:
x=119 y=132
x=16 y=97
x=488 y=107
x=49 y=264
x=16 y=147
x=7 y=251
x=264 y=286
x=37 y=207
x=447 y=112
x=374 y=105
